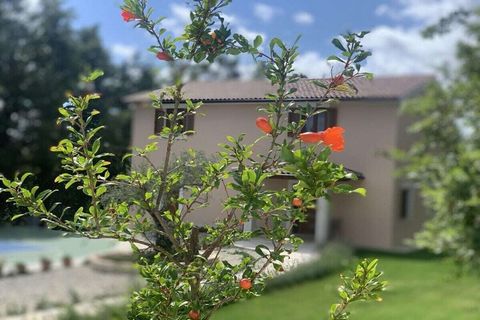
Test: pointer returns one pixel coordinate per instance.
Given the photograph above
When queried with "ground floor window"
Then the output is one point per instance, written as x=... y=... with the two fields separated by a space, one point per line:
x=407 y=202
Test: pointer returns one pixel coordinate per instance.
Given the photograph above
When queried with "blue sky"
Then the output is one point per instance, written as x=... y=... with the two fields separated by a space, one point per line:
x=395 y=41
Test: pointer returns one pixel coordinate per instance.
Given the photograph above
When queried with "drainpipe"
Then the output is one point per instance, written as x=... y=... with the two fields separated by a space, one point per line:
x=322 y=217
x=248 y=226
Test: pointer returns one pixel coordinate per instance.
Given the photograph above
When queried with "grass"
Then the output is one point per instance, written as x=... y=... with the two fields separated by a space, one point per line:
x=421 y=287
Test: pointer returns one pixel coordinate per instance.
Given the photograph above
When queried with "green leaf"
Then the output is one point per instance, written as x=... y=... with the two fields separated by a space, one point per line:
x=92 y=76
x=262 y=250
x=362 y=56
x=258 y=41
x=17 y=216
x=276 y=42
x=100 y=190
x=335 y=58
x=360 y=191
x=338 y=44
x=287 y=154
x=63 y=112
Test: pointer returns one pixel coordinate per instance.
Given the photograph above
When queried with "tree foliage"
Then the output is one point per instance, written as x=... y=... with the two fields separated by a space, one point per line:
x=41 y=58
x=445 y=160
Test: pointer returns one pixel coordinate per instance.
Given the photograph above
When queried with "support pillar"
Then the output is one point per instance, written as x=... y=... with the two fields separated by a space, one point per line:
x=322 y=218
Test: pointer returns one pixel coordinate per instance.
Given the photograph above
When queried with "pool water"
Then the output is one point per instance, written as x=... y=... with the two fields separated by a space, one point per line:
x=30 y=244
x=10 y=246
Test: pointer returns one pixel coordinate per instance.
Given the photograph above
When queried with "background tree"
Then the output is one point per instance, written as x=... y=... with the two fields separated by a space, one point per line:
x=445 y=160
x=41 y=58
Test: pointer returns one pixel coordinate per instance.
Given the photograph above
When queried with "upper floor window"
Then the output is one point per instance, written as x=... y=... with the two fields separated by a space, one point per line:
x=407 y=204
x=187 y=122
x=316 y=123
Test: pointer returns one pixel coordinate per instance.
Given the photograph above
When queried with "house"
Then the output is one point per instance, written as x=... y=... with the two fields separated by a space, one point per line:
x=392 y=210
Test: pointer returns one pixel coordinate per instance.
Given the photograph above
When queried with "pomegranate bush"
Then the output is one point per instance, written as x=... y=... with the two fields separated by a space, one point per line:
x=183 y=267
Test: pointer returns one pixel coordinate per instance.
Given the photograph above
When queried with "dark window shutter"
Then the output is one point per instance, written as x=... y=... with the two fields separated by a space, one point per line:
x=159 y=122
x=189 y=122
x=332 y=117
x=293 y=117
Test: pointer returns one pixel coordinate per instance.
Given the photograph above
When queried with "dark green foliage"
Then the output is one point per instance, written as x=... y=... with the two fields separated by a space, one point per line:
x=41 y=59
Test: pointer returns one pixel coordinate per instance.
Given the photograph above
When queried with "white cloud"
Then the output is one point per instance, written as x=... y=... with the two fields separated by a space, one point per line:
x=425 y=11
x=312 y=65
x=238 y=27
x=230 y=18
x=248 y=33
x=32 y=5
x=401 y=49
x=264 y=12
x=180 y=15
x=304 y=18
x=123 y=52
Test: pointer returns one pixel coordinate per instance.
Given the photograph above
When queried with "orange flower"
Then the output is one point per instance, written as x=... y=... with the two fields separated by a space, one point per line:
x=194 y=315
x=246 y=284
x=333 y=137
x=297 y=202
x=128 y=16
x=311 y=137
x=338 y=80
x=264 y=125
x=164 y=56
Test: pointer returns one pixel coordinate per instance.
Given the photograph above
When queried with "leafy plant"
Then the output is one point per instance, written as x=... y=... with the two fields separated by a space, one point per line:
x=186 y=275
x=444 y=161
x=364 y=285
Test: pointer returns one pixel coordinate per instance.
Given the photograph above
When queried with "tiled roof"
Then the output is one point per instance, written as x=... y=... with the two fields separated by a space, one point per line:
x=395 y=87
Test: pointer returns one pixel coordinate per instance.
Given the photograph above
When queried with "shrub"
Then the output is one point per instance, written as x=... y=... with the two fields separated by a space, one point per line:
x=187 y=277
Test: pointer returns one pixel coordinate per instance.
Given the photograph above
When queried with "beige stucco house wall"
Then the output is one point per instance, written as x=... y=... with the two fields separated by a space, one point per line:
x=373 y=126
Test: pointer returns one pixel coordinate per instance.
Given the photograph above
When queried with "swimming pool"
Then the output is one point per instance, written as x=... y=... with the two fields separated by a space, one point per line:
x=29 y=245
x=11 y=246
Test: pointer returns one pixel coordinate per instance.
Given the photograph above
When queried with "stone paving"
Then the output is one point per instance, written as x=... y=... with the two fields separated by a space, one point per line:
x=62 y=286
x=86 y=284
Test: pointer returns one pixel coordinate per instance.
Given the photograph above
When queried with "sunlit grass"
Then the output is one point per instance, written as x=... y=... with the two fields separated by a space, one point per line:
x=421 y=287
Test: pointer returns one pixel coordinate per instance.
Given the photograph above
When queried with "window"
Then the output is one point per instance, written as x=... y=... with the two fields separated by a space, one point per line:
x=316 y=123
x=187 y=122
x=406 y=202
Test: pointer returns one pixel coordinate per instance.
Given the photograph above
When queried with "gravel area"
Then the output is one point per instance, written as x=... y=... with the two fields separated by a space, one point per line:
x=62 y=286
x=39 y=291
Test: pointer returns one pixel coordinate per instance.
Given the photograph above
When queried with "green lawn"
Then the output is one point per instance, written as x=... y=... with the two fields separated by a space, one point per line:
x=421 y=288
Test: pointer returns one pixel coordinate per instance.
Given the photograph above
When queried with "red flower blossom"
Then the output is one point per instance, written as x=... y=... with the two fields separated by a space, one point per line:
x=245 y=284
x=128 y=16
x=333 y=137
x=164 y=56
x=297 y=202
x=194 y=315
x=311 y=137
x=338 y=80
x=264 y=125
